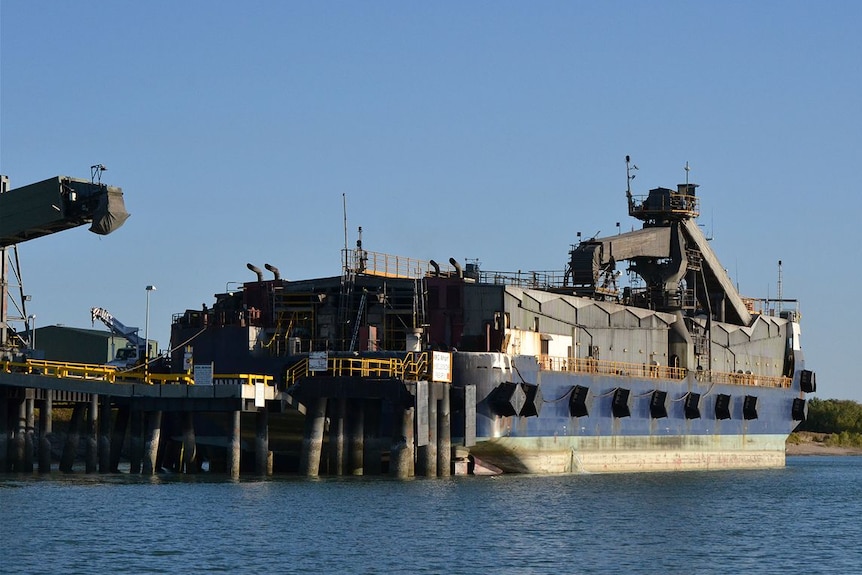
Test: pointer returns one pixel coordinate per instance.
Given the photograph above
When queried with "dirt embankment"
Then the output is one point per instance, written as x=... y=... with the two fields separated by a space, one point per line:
x=807 y=443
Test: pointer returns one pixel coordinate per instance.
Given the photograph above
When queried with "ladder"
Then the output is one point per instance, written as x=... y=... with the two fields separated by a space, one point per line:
x=358 y=320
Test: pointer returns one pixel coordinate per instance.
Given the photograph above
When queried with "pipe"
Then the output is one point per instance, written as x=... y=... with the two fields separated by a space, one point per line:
x=274 y=271
x=256 y=270
x=436 y=267
x=457 y=267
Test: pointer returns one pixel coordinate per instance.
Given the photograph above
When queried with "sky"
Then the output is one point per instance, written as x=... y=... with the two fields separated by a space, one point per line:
x=489 y=131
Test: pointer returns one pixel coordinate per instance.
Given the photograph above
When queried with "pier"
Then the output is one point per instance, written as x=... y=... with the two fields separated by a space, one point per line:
x=352 y=416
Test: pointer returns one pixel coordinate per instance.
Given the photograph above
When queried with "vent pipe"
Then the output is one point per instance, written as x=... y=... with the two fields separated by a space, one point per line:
x=274 y=271
x=256 y=270
x=457 y=267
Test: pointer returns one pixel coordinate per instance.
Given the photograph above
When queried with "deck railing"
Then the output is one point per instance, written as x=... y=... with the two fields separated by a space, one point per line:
x=624 y=369
x=413 y=366
x=110 y=374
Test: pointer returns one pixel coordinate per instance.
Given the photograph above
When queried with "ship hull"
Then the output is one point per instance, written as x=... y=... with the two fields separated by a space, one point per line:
x=735 y=425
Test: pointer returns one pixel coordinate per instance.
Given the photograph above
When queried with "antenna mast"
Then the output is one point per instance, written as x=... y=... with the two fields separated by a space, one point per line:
x=780 y=294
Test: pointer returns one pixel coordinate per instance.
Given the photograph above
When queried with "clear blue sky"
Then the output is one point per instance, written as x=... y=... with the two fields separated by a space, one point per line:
x=489 y=130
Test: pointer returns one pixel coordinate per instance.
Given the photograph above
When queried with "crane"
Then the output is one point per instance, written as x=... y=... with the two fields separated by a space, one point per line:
x=128 y=356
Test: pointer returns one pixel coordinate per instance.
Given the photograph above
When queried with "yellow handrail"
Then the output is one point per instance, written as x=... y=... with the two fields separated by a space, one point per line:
x=110 y=374
x=413 y=366
x=624 y=369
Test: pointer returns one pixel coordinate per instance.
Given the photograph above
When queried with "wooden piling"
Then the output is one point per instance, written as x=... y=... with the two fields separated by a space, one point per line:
x=46 y=425
x=233 y=448
x=312 y=438
x=444 y=433
x=261 y=446
x=431 y=452
x=18 y=447
x=151 y=442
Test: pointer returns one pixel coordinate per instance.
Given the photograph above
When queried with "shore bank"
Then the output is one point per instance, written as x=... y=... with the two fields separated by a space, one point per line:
x=807 y=443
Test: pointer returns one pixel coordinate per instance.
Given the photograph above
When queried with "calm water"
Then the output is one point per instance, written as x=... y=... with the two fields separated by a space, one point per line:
x=806 y=518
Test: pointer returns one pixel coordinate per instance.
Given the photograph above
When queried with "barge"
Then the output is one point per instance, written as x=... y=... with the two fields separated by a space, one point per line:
x=548 y=372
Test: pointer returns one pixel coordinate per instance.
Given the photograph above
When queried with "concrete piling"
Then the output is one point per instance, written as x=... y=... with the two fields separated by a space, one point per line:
x=444 y=433
x=233 y=448
x=92 y=435
x=312 y=438
x=46 y=424
x=356 y=437
x=136 y=441
x=29 y=435
x=338 y=407
x=151 y=443
x=187 y=462
x=262 y=465
x=5 y=434
x=104 y=434
x=70 y=447
x=401 y=457
x=118 y=437
x=372 y=457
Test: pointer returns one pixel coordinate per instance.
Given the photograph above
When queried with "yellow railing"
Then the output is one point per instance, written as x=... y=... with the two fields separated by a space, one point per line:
x=413 y=366
x=623 y=369
x=110 y=374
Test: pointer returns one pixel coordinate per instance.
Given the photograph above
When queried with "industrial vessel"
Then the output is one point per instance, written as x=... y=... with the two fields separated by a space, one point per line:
x=551 y=372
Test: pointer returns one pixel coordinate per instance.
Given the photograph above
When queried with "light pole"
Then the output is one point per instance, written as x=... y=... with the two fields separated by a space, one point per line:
x=147 y=334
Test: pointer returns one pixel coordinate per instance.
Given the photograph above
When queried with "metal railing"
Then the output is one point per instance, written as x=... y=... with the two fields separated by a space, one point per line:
x=624 y=369
x=413 y=366
x=110 y=374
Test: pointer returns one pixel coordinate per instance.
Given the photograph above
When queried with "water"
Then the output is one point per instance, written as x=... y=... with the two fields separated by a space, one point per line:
x=803 y=518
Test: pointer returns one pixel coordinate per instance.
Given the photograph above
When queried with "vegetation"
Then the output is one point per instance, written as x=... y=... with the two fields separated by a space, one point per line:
x=834 y=422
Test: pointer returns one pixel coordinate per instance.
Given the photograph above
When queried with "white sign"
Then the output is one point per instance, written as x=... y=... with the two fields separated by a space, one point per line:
x=317 y=361
x=441 y=366
x=203 y=374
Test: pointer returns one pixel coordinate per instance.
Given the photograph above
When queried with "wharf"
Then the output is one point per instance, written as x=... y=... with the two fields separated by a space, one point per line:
x=361 y=412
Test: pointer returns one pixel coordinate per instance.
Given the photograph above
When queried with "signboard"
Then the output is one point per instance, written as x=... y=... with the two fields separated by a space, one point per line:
x=441 y=366
x=317 y=361
x=259 y=394
x=203 y=374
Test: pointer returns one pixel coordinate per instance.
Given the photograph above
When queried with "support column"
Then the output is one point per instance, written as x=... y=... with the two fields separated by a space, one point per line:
x=187 y=463
x=46 y=425
x=105 y=434
x=444 y=432
x=431 y=453
x=401 y=458
x=372 y=460
x=233 y=448
x=92 y=436
x=18 y=444
x=29 y=434
x=312 y=438
x=336 y=436
x=356 y=435
x=118 y=438
x=261 y=444
x=70 y=448
x=151 y=443
x=136 y=441
x=5 y=435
